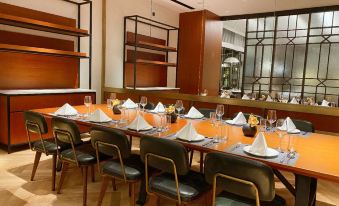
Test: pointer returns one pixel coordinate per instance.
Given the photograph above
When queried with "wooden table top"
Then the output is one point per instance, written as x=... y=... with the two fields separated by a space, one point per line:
x=318 y=153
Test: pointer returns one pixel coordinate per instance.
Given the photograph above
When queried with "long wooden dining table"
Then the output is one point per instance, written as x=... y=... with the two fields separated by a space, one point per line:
x=317 y=154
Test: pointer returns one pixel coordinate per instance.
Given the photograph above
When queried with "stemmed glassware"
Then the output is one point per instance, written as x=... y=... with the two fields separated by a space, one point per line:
x=220 y=111
x=143 y=102
x=179 y=106
x=279 y=124
x=88 y=104
x=271 y=117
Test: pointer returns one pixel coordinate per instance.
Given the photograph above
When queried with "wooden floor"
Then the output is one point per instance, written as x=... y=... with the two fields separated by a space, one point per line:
x=16 y=189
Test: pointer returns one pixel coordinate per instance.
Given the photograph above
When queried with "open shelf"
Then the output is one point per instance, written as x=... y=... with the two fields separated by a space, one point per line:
x=152 y=46
x=36 y=50
x=150 y=62
x=41 y=25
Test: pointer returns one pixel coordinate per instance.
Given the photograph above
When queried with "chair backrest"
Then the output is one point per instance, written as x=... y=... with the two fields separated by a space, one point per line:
x=303 y=125
x=149 y=106
x=113 y=137
x=206 y=112
x=165 y=148
x=247 y=115
x=67 y=126
x=35 y=118
x=249 y=170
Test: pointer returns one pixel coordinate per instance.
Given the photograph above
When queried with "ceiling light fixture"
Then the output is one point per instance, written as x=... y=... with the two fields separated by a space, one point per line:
x=182 y=4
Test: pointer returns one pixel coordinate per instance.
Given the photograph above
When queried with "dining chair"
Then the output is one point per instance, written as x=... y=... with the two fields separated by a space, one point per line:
x=206 y=112
x=303 y=125
x=36 y=124
x=122 y=165
x=149 y=106
x=80 y=154
x=241 y=181
x=175 y=181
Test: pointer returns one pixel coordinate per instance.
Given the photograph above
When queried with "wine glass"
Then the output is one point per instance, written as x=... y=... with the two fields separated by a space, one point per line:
x=262 y=123
x=143 y=102
x=113 y=96
x=271 y=117
x=88 y=104
x=179 y=106
x=220 y=111
x=279 y=124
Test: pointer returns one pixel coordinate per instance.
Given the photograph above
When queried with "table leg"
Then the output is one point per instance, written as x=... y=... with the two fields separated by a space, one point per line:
x=306 y=190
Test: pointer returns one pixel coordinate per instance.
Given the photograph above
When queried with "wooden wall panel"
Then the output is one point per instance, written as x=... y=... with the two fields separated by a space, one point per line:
x=130 y=37
x=191 y=36
x=7 y=37
x=147 y=75
x=3 y=120
x=212 y=53
x=32 y=71
x=37 y=15
x=144 y=55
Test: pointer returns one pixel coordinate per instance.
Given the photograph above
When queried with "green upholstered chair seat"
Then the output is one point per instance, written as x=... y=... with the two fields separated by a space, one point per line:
x=191 y=185
x=134 y=168
x=50 y=146
x=85 y=154
x=228 y=199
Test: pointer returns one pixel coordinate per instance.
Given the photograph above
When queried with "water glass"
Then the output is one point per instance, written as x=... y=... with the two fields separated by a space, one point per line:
x=271 y=118
x=109 y=103
x=220 y=111
x=143 y=102
x=280 y=123
x=88 y=104
x=113 y=96
x=213 y=118
x=168 y=121
x=179 y=106
x=262 y=123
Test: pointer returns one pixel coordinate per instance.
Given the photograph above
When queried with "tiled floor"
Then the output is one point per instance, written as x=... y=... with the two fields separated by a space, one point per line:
x=16 y=189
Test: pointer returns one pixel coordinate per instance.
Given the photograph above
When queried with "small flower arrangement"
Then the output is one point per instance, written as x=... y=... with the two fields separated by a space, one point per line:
x=115 y=102
x=170 y=109
x=253 y=120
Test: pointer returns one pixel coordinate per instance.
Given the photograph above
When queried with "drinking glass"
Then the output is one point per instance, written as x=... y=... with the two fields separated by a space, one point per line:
x=220 y=111
x=168 y=121
x=271 y=117
x=280 y=123
x=109 y=103
x=262 y=124
x=204 y=92
x=213 y=118
x=143 y=102
x=88 y=104
x=179 y=106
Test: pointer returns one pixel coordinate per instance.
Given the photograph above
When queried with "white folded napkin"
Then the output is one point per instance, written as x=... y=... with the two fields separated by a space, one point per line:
x=269 y=99
x=259 y=146
x=240 y=119
x=66 y=110
x=189 y=133
x=99 y=116
x=129 y=104
x=294 y=101
x=159 y=108
x=139 y=123
x=289 y=126
x=245 y=97
x=325 y=103
x=194 y=113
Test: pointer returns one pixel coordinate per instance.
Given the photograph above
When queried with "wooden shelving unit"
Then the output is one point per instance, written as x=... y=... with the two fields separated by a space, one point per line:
x=36 y=50
x=146 y=58
x=41 y=25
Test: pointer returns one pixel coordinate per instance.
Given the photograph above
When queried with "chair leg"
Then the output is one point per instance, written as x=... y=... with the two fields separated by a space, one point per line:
x=201 y=161
x=54 y=171
x=191 y=158
x=62 y=175
x=35 y=165
x=103 y=189
x=132 y=199
x=84 y=177
x=114 y=184
x=92 y=173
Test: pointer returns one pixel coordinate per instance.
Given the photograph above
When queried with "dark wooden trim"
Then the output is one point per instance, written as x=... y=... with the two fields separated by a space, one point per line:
x=281 y=13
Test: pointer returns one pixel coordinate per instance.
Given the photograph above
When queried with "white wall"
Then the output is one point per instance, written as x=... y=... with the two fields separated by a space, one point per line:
x=116 y=11
x=65 y=9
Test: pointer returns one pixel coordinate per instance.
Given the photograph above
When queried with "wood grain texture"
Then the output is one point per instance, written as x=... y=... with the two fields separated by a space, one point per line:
x=3 y=120
x=190 y=52
x=14 y=38
x=130 y=38
x=199 y=54
x=37 y=15
x=32 y=71
x=147 y=75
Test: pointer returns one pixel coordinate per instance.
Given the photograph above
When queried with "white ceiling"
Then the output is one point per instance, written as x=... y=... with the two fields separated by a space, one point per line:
x=236 y=7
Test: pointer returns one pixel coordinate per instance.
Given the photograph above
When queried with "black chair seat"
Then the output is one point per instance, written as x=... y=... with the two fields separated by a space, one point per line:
x=50 y=146
x=228 y=199
x=134 y=168
x=85 y=154
x=191 y=186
